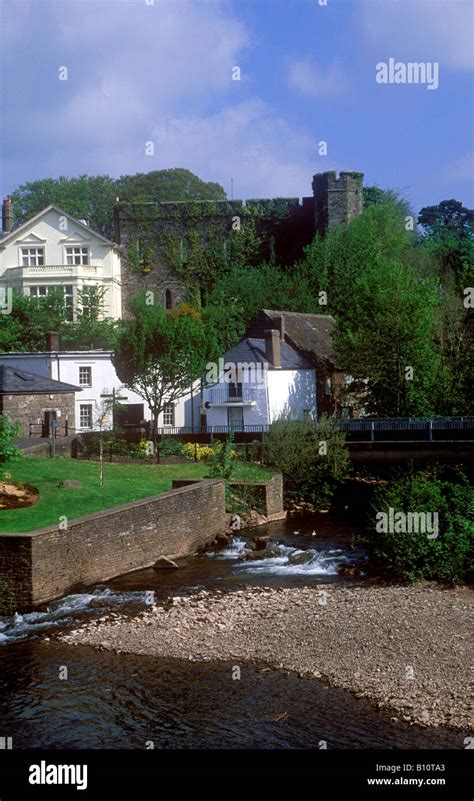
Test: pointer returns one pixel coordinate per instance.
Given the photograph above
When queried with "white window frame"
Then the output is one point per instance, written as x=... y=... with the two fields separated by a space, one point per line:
x=169 y=411
x=90 y=416
x=79 y=258
x=87 y=383
x=33 y=259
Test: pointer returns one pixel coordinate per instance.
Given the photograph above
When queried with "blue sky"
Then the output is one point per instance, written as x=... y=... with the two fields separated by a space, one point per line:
x=161 y=72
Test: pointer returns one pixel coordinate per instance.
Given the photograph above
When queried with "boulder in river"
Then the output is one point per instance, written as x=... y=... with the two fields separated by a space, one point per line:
x=163 y=562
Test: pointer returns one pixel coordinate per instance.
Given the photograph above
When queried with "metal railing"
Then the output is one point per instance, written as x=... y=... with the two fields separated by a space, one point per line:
x=230 y=395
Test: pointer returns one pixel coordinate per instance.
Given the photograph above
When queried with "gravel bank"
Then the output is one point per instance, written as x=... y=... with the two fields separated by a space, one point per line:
x=407 y=648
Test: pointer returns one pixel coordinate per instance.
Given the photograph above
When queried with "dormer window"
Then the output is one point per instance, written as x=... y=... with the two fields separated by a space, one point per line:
x=77 y=255
x=32 y=257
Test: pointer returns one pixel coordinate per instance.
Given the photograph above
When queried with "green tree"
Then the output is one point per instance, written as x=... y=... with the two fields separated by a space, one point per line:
x=387 y=341
x=311 y=456
x=445 y=555
x=93 y=197
x=159 y=355
x=8 y=432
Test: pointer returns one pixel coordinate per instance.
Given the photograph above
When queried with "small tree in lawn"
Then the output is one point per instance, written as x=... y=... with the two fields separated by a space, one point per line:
x=8 y=432
x=159 y=355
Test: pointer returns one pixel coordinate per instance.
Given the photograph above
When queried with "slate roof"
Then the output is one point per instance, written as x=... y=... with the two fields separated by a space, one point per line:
x=310 y=333
x=252 y=350
x=14 y=381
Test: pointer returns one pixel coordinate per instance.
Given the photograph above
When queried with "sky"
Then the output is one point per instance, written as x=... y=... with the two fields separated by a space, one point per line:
x=163 y=72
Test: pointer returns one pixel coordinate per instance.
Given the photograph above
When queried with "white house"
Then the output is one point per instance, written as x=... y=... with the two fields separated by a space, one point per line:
x=94 y=372
x=287 y=365
x=260 y=379
x=54 y=249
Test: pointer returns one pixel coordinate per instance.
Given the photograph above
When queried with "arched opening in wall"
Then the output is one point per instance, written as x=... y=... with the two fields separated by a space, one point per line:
x=168 y=299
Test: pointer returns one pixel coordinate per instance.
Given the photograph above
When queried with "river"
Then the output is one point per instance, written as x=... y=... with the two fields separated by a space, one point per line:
x=107 y=700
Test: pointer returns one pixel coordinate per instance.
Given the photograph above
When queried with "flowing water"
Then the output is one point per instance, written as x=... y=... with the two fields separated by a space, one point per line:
x=124 y=701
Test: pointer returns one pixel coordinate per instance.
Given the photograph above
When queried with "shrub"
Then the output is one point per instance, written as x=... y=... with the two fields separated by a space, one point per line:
x=171 y=447
x=204 y=452
x=409 y=556
x=8 y=432
x=311 y=456
x=220 y=461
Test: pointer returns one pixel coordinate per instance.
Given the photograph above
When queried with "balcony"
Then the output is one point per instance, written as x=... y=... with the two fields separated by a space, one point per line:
x=44 y=271
x=231 y=396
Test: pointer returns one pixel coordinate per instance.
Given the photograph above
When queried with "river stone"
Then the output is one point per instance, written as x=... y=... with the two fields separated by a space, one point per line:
x=70 y=482
x=164 y=562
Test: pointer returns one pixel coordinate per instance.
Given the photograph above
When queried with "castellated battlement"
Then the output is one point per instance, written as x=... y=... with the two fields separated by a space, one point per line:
x=337 y=200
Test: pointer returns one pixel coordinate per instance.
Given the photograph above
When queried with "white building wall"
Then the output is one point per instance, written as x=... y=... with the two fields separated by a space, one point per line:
x=65 y=367
x=253 y=415
x=291 y=392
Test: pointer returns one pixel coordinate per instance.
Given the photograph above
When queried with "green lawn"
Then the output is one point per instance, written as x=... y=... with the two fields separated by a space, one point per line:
x=123 y=483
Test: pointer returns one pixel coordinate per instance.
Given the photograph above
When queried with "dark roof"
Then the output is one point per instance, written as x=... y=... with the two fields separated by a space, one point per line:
x=310 y=333
x=252 y=350
x=14 y=381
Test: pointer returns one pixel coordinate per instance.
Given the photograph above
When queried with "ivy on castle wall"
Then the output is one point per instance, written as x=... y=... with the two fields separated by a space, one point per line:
x=201 y=239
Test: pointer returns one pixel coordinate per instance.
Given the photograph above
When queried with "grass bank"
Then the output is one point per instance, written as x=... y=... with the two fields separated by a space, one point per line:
x=123 y=483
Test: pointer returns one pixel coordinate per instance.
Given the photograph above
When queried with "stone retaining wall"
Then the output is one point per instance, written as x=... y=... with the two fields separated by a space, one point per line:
x=51 y=562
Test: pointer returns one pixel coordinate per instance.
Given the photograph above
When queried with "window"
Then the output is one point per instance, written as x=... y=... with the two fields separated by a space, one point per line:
x=235 y=418
x=88 y=295
x=168 y=299
x=85 y=376
x=235 y=390
x=32 y=257
x=85 y=415
x=77 y=255
x=328 y=385
x=42 y=292
x=69 y=302
x=168 y=414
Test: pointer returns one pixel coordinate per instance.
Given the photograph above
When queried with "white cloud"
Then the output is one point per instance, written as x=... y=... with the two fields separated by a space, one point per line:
x=419 y=30
x=462 y=169
x=247 y=142
x=164 y=73
x=316 y=82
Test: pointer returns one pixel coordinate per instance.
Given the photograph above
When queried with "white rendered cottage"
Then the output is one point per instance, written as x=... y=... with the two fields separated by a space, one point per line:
x=258 y=381
x=53 y=249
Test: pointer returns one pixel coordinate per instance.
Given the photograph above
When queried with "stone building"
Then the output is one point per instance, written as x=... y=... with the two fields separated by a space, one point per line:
x=35 y=402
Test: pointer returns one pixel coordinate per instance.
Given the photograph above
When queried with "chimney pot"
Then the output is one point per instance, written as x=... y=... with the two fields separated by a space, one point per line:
x=272 y=347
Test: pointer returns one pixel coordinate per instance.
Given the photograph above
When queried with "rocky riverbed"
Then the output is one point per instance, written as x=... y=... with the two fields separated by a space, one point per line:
x=406 y=648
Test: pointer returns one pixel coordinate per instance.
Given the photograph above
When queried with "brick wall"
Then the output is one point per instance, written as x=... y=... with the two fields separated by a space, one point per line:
x=27 y=409
x=50 y=562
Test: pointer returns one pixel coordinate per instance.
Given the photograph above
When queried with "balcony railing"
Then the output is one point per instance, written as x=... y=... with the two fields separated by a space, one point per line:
x=217 y=397
x=44 y=270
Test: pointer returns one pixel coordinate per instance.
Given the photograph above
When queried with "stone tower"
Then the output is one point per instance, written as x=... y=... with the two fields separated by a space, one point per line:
x=337 y=200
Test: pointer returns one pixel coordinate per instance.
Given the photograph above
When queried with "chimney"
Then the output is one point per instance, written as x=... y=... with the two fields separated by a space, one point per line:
x=279 y=322
x=7 y=215
x=52 y=341
x=272 y=347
